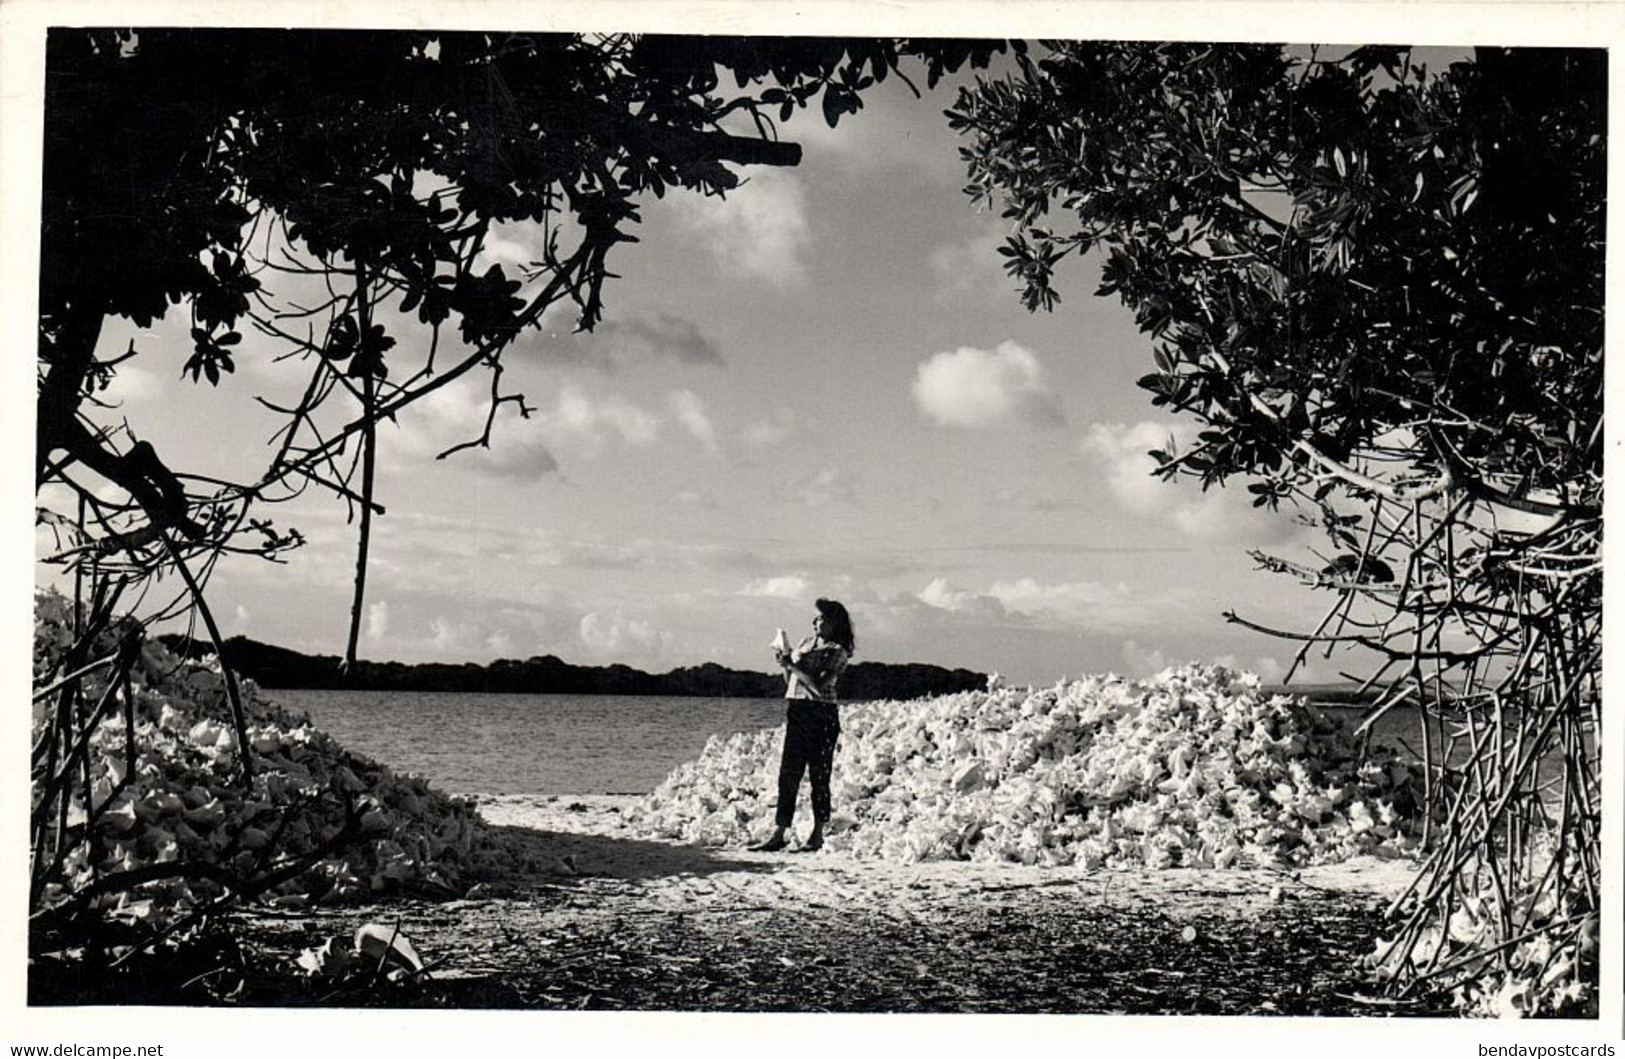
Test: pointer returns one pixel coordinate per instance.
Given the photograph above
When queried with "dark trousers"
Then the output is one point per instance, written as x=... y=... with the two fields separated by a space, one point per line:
x=810 y=733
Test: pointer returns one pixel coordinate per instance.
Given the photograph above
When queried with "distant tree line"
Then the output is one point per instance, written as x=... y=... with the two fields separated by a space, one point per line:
x=279 y=667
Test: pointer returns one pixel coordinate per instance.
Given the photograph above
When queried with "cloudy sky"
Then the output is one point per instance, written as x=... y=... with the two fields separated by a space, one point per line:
x=822 y=386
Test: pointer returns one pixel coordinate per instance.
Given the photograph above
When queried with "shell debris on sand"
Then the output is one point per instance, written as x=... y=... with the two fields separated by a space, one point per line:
x=1195 y=767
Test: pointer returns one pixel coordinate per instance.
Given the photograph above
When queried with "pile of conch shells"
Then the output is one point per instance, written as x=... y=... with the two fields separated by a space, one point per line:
x=184 y=802
x=1194 y=767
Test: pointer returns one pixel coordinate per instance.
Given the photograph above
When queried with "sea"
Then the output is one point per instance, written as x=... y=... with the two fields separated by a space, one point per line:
x=478 y=743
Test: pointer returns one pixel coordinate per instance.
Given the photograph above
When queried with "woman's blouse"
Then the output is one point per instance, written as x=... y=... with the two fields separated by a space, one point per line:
x=822 y=661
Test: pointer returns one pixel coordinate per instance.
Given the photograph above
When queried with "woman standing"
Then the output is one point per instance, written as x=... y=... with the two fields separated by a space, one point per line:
x=812 y=720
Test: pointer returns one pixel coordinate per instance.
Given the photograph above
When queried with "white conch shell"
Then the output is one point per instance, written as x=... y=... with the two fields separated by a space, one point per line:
x=374 y=942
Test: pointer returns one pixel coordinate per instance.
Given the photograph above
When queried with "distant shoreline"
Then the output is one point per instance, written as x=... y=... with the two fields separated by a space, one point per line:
x=279 y=668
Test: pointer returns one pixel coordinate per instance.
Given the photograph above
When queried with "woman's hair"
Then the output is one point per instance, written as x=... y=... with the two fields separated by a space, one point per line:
x=837 y=624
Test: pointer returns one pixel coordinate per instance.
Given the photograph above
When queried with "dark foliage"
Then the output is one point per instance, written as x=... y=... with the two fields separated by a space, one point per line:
x=1329 y=251
x=278 y=667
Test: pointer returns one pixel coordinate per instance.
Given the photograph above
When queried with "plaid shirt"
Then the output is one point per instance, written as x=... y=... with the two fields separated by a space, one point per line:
x=821 y=660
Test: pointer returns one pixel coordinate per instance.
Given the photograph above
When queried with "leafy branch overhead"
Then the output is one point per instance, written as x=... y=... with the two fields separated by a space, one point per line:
x=1328 y=250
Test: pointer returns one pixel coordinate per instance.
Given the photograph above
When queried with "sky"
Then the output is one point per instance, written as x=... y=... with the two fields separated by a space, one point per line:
x=822 y=386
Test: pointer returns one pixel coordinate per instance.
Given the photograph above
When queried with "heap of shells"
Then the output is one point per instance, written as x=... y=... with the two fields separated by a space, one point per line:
x=1195 y=767
x=172 y=792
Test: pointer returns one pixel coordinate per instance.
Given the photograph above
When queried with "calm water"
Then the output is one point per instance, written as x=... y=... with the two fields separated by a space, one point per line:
x=471 y=742
x=563 y=744
x=529 y=744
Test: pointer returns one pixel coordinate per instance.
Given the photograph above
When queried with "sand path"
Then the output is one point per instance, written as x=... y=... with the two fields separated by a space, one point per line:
x=596 y=915
x=590 y=836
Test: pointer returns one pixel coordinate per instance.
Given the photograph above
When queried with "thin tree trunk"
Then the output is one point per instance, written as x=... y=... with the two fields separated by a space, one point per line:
x=239 y=719
x=369 y=431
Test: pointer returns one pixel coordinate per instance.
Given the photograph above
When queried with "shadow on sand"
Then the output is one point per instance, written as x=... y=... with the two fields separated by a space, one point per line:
x=560 y=856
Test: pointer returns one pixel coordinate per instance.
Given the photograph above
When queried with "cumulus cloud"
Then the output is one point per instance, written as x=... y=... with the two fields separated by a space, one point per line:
x=588 y=422
x=690 y=413
x=464 y=623
x=793 y=586
x=513 y=245
x=1270 y=669
x=1219 y=514
x=517 y=448
x=448 y=636
x=511 y=254
x=940 y=595
x=976 y=388
x=1142 y=661
x=1081 y=603
x=547 y=624
x=522 y=461
x=614 y=634
x=972 y=266
x=1072 y=605
x=764 y=433
x=665 y=335
x=581 y=422
x=1122 y=452
x=574 y=421
x=826 y=487
x=133 y=384
x=883 y=141
x=759 y=231
x=377 y=620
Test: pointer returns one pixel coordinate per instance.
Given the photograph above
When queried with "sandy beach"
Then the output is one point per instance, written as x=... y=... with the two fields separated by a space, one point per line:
x=595 y=915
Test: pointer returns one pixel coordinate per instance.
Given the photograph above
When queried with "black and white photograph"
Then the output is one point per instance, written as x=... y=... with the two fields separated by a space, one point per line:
x=621 y=515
